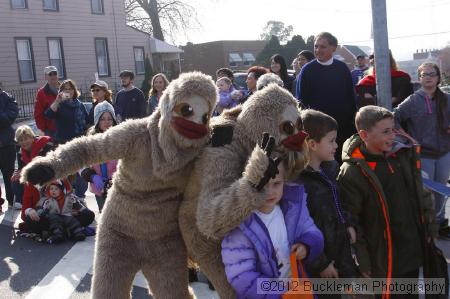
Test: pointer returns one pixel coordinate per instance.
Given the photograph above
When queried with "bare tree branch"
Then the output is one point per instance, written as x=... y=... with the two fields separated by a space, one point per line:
x=171 y=18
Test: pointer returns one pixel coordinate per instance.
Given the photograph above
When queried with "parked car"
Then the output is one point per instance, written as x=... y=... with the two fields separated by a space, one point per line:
x=445 y=88
x=239 y=80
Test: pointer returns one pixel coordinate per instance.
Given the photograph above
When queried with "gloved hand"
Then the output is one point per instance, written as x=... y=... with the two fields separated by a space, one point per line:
x=267 y=145
x=38 y=174
x=98 y=182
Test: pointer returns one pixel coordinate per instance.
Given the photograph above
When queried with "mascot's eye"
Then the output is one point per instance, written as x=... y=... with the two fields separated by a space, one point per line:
x=205 y=118
x=184 y=109
x=287 y=127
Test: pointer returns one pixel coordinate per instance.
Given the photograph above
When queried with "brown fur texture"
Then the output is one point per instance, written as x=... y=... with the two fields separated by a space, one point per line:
x=138 y=228
x=220 y=192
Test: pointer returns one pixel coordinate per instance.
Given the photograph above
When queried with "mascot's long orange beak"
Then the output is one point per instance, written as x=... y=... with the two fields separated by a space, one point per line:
x=189 y=129
x=295 y=142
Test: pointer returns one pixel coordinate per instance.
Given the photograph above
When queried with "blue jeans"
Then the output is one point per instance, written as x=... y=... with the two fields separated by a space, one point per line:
x=17 y=189
x=100 y=202
x=438 y=170
x=80 y=186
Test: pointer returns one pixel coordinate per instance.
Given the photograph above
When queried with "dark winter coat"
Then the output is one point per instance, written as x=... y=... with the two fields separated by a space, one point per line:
x=8 y=114
x=71 y=120
x=401 y=88
x=368 y=204
x=330 y=218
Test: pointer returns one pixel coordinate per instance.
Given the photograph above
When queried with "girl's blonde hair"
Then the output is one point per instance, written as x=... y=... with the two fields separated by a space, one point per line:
x=294 y=162
x=166 y=82
x=22 y=131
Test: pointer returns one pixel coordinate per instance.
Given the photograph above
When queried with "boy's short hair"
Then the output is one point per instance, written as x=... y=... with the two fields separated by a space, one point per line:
x=369 y=116
x=225 y=79
x=317 y=124
x=22 y=131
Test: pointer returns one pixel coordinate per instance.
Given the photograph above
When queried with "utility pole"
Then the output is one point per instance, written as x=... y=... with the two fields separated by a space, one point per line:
x=382 y=61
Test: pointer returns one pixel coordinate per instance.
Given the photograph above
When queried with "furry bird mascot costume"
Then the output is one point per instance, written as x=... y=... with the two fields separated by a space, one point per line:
x=138 y=229
x=228 y=179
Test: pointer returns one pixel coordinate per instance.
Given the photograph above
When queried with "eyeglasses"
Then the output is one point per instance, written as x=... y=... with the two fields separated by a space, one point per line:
x=431 y=75
x=52 y=74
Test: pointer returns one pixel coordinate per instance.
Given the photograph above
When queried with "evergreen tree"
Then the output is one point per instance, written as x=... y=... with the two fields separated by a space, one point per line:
x=292 y=48
x=310 y=43
x=148 y=76
x=272 y=47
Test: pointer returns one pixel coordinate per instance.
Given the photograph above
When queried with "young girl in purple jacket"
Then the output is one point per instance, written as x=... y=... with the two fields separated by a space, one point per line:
x=261 y=246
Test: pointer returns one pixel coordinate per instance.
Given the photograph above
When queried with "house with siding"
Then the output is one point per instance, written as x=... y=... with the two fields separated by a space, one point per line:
x=80 y=38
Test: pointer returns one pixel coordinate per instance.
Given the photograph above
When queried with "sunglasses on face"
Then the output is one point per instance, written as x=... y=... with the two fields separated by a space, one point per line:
x=431 y=75
x=52 y=74
x=96 y=90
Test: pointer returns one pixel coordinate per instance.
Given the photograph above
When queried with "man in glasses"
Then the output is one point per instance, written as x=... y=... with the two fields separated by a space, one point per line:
x=45 y=96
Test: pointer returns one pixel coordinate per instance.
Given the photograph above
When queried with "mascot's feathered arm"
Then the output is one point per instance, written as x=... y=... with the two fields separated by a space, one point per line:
x=222 y=209
x=68 y=158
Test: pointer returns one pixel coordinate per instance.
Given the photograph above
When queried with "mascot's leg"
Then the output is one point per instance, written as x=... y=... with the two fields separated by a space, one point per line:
x=115 y=265
x=210 y=262
x=166 y=267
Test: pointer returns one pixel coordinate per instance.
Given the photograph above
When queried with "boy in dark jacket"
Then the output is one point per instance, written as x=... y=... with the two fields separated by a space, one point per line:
x=381 y=183
x=319 y=179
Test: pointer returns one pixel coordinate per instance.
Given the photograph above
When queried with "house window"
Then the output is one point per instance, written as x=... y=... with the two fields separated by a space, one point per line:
x=50 y=5
x=19 y=4
x=25 y=59
x=248 y=59
x=97 y=7
x=56 y=55
x=234 y=59
x=139 y=60
x=101 y=52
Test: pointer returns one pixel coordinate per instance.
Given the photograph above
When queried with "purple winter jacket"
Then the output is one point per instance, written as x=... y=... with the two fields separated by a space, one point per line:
x=225 y=99
x=248 y=253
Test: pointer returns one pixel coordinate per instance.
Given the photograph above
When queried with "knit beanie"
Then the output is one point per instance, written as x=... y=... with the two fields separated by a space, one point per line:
x=63 y=185
x=101 y=108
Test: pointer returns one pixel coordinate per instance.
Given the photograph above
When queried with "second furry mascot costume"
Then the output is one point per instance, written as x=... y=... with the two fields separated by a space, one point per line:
x=138 y=229
x=227 y=183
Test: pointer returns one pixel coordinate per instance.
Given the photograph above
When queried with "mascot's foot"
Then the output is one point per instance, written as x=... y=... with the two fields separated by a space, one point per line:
x=210 y=286
x=193 y=275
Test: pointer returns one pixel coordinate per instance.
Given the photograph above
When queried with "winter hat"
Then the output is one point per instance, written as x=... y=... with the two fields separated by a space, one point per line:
x=101 y=108
x=63 y=185
x=100 y=83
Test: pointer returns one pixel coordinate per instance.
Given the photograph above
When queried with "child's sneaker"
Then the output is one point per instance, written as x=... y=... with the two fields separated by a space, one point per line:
x=79 y=236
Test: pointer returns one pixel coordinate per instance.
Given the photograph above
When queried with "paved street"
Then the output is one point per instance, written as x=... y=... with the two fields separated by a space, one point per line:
x=29 y=269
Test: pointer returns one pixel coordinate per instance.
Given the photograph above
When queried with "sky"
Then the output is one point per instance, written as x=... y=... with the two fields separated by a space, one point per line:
x=412 y=24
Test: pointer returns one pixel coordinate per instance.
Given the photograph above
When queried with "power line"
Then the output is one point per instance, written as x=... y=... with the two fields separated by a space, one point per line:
x=400 y=37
